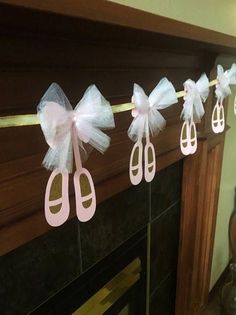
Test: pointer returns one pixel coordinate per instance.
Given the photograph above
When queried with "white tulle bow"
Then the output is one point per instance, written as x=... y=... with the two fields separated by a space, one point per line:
x=57 y=117
x=196 y=94
x=224 y=79
x=146 y=114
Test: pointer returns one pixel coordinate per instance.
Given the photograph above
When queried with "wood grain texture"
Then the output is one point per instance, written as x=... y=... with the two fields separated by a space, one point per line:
x=208 y=223
x=201 y=181
x=193 y=187
x=112 y=13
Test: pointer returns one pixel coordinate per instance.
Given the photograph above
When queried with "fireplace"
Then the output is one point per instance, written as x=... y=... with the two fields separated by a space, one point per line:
x=123 y=260
x=115 y=286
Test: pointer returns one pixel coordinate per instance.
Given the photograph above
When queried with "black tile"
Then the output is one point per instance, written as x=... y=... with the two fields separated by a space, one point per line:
x=166 y=188
x=36 y=270
x=69 y=299
x=164 y=245
x=115 y=220
x=162 y=302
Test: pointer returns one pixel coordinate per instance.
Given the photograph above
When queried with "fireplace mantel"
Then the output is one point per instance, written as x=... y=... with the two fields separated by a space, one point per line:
x=77 y=43
x=112 y=13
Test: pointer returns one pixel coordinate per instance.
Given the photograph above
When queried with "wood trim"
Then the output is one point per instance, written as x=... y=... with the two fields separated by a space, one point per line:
x=193 y=187
x=200 y=191
x=113 y=13
x=206 y=228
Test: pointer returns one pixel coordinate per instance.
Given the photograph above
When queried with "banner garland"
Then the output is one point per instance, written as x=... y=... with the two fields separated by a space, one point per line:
x=70 y=133
x=224 y=79
x=65 y=131
x=193 y=111
x=148 y=119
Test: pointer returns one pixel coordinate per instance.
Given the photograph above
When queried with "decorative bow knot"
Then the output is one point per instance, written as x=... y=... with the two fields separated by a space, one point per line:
x=65 y=129
x=147 y=119
x=224 y=79
x=146 y=112
x=196 y=94
x=193 y=110
x=58 y=118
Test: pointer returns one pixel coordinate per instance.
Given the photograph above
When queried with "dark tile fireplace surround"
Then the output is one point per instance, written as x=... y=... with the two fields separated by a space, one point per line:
x=33 y=273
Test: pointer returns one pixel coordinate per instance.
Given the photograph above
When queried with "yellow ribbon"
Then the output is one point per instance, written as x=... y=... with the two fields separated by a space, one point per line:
x=32 y=119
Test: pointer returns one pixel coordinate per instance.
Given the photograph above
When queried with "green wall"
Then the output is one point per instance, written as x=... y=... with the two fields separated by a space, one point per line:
x=218 y=15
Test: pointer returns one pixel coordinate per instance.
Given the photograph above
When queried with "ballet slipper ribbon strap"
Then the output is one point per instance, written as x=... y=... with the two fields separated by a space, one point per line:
x=75 y=145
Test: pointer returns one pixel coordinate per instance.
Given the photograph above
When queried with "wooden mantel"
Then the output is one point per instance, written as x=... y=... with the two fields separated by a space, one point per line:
x=79 y=42
x=112 y=13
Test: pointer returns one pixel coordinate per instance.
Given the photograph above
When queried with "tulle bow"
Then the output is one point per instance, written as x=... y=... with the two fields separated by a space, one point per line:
x=196 y=94
x=146 y=114
x=224 y=79
x=57 y=118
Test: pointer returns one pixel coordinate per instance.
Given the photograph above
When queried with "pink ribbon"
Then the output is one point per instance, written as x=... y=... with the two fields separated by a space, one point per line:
x=65 y=129
x=57 y=117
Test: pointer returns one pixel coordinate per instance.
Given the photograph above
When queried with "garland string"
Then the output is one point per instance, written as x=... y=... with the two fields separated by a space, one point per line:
x=32 y=119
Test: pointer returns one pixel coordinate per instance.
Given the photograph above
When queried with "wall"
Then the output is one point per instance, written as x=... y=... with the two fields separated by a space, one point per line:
x=217 y=15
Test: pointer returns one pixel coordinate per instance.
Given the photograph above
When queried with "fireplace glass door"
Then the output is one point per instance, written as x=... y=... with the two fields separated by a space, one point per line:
x=117 y=297
x=114 y=286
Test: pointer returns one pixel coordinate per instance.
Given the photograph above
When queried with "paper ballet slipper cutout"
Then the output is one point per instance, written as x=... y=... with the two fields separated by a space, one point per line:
x=58 y=218
x=136 y=171
x=85 y=203
x=193 y=137
x=185 y=138
x=188 y=138
x=222 y=117
x=214 y=118
x=218 y=118
x=149 y=167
